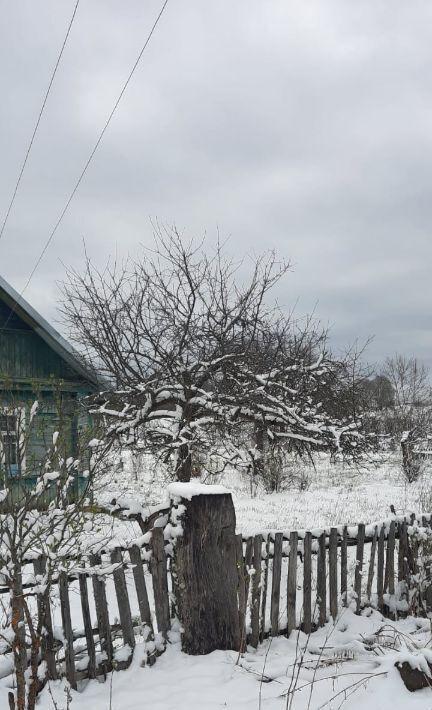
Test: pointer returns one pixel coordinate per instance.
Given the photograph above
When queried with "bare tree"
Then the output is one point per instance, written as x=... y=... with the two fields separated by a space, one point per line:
x=41 y=518
x=409 y=421
x=409 y=379
x=378 y=393
x=181 y=335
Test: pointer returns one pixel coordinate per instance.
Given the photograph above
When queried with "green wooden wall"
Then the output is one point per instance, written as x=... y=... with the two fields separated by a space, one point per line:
x=30 y=370
x=24 y=355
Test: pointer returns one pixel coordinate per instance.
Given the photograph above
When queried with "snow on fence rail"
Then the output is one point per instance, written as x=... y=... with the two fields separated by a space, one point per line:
x=299 y=579
x=104 y=643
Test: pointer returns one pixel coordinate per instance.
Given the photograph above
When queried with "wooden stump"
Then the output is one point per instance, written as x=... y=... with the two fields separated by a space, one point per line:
x=205 y=575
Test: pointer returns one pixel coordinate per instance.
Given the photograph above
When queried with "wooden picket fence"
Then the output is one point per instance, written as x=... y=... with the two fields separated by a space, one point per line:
x=286 y=581
x=108 y=643
x=300 y=579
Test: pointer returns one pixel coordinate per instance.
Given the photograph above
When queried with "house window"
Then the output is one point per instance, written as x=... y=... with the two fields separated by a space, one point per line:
x=10 y=435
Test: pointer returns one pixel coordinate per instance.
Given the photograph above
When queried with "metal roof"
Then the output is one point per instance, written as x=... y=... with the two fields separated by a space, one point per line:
x=52 y=338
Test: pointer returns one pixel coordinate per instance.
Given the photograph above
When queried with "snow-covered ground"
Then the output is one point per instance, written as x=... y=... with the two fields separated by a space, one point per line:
x=334 y=494
x=350 y=665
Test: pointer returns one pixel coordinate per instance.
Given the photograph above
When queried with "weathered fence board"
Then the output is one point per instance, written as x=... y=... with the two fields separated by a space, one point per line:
x=333 y=583
x=344 y=565
x=67 y=630
x=307 y=583
x=322 y=581
x=140 y=585
x=256 y=591
x=276 y=580
x=359 y=565
x=264 y=590
x=292 y=584
x=380 y=571
x=158 y=567
x=390 y=558
x=123 y=602
x=88 y=629
x=241 y=590
x=248 y=565
x=102 y=614
x=372 y=564
x=44 y=610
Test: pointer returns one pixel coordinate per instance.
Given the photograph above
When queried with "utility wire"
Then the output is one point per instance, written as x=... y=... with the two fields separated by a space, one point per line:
x=44 y=102
x=96 y=146
x=86 y=166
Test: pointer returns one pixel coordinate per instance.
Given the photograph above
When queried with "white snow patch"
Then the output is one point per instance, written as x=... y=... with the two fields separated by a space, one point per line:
x=191 y=489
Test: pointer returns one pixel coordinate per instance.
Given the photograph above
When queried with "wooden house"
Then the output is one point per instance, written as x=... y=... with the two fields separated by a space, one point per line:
x=39 y=371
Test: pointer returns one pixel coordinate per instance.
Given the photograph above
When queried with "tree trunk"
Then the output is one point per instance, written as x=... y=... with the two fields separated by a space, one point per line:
x=184 y=463
x=260 y=444
x=18 y=627
x=410 y=465
x=206 y=575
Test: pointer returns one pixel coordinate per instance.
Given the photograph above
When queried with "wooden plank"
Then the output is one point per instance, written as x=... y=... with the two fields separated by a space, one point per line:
x=248 y=565
x=102 y=614
x=67 y=630
x=372 y=564
x=322 y=581
x=333 y=580
x=241 y=590
x=123 y=603
x=256 y=590
x=142 y=596
x=88 y=627
x=158 y=567
x=359 y=566
x=405 y=555
x=44 y=611
x=344 y=566
x=380 y=570
x=264 y=591
x=390 y=558
x=307 y=584
x=276 y=579
x=414 y=545
x=292 y=583
x=400 y=552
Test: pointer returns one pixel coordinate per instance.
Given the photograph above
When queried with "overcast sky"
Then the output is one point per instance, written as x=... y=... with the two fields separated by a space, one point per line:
x=296 y=125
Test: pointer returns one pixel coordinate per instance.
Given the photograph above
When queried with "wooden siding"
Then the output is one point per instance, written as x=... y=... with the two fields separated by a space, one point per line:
x=31 y=370
x=25 y=356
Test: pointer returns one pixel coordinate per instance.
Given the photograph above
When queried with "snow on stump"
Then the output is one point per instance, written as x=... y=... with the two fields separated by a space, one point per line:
x=416 y=670
x=205 y=566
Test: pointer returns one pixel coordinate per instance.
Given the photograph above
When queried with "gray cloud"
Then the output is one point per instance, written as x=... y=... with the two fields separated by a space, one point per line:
x=303 y=127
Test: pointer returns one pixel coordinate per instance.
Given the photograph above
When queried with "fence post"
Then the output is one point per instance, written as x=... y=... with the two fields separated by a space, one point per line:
x=206 y=576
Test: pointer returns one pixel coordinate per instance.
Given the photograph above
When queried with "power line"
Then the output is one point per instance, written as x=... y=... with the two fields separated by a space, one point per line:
x=96 y=146
x=86 y=166
x=14 y=194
